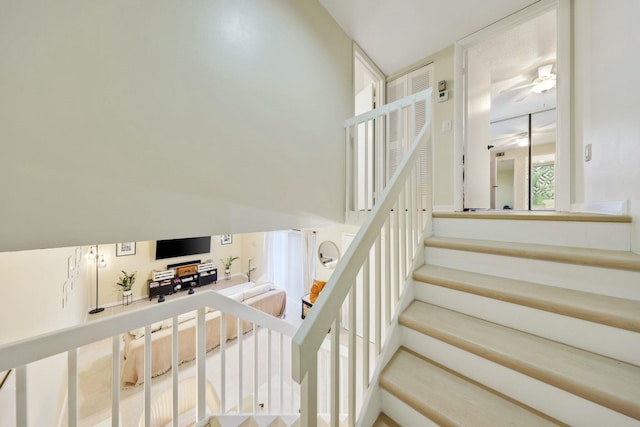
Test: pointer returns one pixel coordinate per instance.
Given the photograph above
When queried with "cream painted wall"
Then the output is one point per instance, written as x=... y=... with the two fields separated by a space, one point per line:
x=133 y=121
x=606 y=82
x=31 y=304
x=333 y=234
x=253 y=247
x=144 y=262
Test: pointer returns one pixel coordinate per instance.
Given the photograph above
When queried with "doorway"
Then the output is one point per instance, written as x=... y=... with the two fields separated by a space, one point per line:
x=369 y=91
x=510 y=107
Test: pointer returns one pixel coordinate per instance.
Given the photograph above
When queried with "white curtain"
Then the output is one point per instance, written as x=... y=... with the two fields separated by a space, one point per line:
x=290 y=260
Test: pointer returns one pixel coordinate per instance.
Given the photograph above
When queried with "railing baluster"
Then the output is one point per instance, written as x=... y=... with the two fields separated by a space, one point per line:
x=396 y=252
x=115 y=380
x=352 y=355
x=223 y=362
x=309 y=398
x=366 y=283
x=387 y=271
x=387 y=145
x=200 y=362
x=356 y=169
x=269 y=391
x=335 y=373
x=174 y=368
x=405 y=236
x=414 y=205
x=410 y=216
x=22 y=419
x=72 y=391
x=366 y=166
x=378 y=296
x=240 y=376
x=147 y=375
x=281 y=374
x=255 y=368
x=420 y=226
x=348 y=178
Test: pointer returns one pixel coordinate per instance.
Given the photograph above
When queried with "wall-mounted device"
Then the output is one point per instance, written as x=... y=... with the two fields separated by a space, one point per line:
x=443 y=93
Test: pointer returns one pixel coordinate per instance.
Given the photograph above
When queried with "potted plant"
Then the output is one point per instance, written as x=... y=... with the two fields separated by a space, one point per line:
x=126 y=282
x=227 y=265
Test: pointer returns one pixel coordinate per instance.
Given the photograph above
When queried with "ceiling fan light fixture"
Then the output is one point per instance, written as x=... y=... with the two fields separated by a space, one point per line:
x=543 y=84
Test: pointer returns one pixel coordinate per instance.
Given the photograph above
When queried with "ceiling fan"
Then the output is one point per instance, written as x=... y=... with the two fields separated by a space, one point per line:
x=545 y=81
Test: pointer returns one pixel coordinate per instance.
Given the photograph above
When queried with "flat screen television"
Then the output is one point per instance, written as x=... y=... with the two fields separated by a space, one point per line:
x=182 y=247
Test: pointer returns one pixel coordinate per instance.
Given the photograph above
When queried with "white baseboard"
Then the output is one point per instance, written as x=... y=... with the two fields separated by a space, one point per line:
x=614 y=207
x=444 y=208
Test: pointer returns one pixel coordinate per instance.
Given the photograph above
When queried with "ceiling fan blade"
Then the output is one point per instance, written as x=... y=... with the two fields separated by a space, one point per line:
x=511 y=89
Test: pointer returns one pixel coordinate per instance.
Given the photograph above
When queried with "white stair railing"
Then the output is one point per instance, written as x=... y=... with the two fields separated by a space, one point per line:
x=20 y=354
x=372 y=273
x=376 y=143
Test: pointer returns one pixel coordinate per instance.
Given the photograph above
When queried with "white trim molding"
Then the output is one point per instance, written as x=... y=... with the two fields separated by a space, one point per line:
x=615 y=207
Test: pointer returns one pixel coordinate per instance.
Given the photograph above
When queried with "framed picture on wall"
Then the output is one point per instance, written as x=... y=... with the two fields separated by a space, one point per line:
x=226 y=239
x=125 y=249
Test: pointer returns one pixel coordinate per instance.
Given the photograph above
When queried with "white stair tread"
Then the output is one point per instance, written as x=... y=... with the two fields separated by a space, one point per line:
x=535 y=216
x=622 y=260
x=608 y=382
x=611 y=311
x=449 y=399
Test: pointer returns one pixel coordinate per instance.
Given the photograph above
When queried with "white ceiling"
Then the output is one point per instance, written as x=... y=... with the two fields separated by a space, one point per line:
x=398 y=33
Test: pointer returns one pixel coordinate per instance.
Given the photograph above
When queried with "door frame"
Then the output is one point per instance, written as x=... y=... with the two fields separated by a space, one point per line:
x=380 y=79
x=564 y=132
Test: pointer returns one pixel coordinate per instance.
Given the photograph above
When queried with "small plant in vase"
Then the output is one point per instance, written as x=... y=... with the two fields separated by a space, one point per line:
x=126 y=282
x=227 y=265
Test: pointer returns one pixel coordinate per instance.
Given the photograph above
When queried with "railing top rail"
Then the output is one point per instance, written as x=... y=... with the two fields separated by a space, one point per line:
x=425 y=95
x=39 y=347
x=311 y=334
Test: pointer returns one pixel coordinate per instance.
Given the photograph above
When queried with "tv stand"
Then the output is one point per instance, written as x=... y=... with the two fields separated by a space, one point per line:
x=187 y=275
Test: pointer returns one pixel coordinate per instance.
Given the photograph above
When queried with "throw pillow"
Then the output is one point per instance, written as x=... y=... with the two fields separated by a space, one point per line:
x=316 y=288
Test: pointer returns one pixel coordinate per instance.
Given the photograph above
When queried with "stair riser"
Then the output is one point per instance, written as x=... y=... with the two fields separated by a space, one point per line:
x=604 y=281
x=402 y=413
x=612 y=342
x=557 y=403
x=596 y=235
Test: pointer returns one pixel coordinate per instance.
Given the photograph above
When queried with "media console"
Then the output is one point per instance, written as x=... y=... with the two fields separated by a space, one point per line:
x=177 y=277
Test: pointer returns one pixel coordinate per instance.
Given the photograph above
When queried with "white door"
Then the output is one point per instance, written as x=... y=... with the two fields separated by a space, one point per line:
x=366 y=150
x=507 y=71
x=404 y=128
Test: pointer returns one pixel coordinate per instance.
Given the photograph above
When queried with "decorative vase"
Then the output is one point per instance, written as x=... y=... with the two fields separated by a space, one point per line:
x=127 y=293
x=227 y=274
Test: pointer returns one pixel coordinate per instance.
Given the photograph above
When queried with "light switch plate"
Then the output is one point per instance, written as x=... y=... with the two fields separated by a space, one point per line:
x=587 y=153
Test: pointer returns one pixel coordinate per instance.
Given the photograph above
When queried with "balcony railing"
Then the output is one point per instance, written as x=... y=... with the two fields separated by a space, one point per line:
x=19 y=355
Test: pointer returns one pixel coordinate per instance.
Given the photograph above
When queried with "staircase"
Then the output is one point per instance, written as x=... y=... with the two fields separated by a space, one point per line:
x=520 y=319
